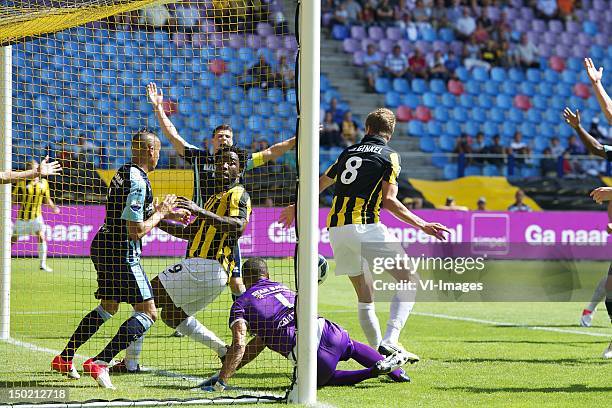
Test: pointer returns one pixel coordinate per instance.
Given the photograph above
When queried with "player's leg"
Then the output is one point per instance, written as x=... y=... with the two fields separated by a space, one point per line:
x=42 y=244
x=346 y=244
x=598 y=296
x=236 y=285
x=608 y=351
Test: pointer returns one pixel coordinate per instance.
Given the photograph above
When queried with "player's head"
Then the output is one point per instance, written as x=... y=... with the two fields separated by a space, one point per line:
x=482 y=204
x=145 y=149
x=223 y=135
x=450 y=200
x=381 y=122
x=230 y=161
x=253 y=270
x=519 y=196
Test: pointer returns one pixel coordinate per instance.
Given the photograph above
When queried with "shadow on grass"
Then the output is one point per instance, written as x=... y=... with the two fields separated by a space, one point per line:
x=563 y=326
x=570 y=388
x=560 y=342
x=592 y=361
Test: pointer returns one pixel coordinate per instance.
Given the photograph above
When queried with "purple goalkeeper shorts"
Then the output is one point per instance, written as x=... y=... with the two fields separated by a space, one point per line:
x=335 y=346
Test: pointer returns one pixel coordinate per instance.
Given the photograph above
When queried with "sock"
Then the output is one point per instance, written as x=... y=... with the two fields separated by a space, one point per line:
x=132 y=329
x=400 y=309
x=598 y=295
x=367 y=357
x=195 y=330
x=341 y=377
x=42 y=253
x=609 y=307
x=89 y=325
x=132 y=353
x=369 y=323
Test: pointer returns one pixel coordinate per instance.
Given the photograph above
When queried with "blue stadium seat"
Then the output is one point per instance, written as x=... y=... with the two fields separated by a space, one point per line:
x=340 y=32
x=291 y=97
x=275 y=95
x=574 y=64
x=462 y=73
x=265 y=109
x=498 y=74
x=551 y=76
x=504 y=101
x=416 y=128
x=419 y=86
x=453 y=128
x=528 y=129
x=440 y=113
x=490 y=129
x=393 y=99
x=527 y=88
x=228 y=54
x=551 y=116
x=439 y=161
x=539 y=102
x=382 y=85
x=246 y=55
x=427 y=144
x=497 y=115
x=564 y=131
x=534 y=116
x=428 y=34
x=450 y=171
x=472 y=87
x=256 y=124
x=449 y=100
x=508 y=129
x=541 y=142
x=437 y=86
x=562 y=90
x=434 y=128
x=557 y=103
x=473 y=171
x=446 y=34
x=516 y=75
x=509 y=88
x=533 y=75
x=490 y=170
x=479 y=115
x=411 y=100
x=401 y=85
x=472 y=128
x=485 y=101
x=460 y=114
x=447 y=143
x=515 y=115
x=430 y=100
x=480 y=74
x=569 y=77
x=467 y=100
x=491 y=88
x=576 y=103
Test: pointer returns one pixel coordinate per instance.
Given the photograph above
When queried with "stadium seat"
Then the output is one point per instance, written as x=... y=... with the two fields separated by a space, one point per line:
x=455 y=87
x=504 y=101
x=459 y=114
x=480 y=74
x=401 y=85
x=497 y=115
x=449 y=100
x=467 y=101
x=576 y=102
x=358 y=32
x=446 y=143
x=423 y=114
x=453 y=128
x=411 y=100
x=472 y=87
x=416 y=128
x=473 y=171
x=434 y=128
x=446 y=35
x=440 y=113
x=472 y=128
x=437 y=86
x=479 y=115
x=516 y=75
x=490 y=129
x=382 y=85
x=498 y=74
x=427 y=144
x=450 y=171
x=533 y=75
x=522 y=102
x=556 y=63
x=485 y=101
x=392 y=99
x=462 y=73
x=515 y=115
x=340 y=32
x=490 y=170
x=582 y=90
x=404 y=113
x=568 y=77
x=419 y=86
x=430 y=100
x=534 y=116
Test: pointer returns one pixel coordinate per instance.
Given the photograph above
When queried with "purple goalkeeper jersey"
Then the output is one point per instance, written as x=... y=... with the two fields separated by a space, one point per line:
x=267 y=308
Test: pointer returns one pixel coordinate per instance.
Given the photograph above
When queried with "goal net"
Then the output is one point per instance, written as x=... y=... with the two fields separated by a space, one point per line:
x=79 y=75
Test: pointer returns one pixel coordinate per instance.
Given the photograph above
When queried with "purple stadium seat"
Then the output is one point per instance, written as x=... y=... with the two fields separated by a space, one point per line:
x=516 y=3
x=376 y=33
x=440 y=46
x=406 y=46
x=581 y=38
x=538 y=26
x=365 y=42
x=290 y=43
x=572 y=27
x=526 y=13
x=264 y=29
x=601 y=5
x=274 y=42
x=254 y=42
x=386 y=46
x=350 y=45
x=494 y=13
x=236 y=41
x=457 y=47
x=358 y=32
x=394 y=33
x=560 y=51
x=547 y=38
x=578 y=51
x=555 y=26
x=512 y=14
x=601 y=40
x=179 y=40
x=358 y=58
x=521 y=25
x=424 y=46
x=567 y=39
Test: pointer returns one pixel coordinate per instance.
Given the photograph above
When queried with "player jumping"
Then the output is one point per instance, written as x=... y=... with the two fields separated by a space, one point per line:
x=115 y=252
x=266 y=310
x=31 y=196
x=600 y=194
x=191 y=285
x=365 y=177
x=45 y=168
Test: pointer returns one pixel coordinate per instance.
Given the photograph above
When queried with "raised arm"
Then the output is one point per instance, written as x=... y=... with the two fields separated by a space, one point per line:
x=156 y=97
x=230 y=224
x=271 y=153
x=591 y=144
x=181 y=231
x=45 y=168
x=595 y=75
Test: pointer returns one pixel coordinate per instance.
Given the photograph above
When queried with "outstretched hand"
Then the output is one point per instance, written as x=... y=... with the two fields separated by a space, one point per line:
x=186 y=204
x=166 y=206
x=287 y=216
x=46 y=168
x=156 y=97
x=572 y=119
x=594 y=74
x=435 y=229
x=602 y=194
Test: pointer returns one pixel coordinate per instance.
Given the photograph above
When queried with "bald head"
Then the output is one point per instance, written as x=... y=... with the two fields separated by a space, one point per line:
x=145 y=149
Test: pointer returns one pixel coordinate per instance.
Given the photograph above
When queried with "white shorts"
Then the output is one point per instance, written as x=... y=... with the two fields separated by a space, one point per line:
x=347 y=243
x=194 y=283
x=32 y=227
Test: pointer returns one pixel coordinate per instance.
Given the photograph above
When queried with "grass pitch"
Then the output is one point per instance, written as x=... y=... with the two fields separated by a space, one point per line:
x=473 y=354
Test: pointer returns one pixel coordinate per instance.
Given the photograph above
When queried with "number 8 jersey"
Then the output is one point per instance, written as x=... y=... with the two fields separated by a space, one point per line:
x=359 y=173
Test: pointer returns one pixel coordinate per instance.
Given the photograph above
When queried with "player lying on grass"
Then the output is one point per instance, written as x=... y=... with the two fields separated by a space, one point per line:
x=45 y=168
x=266 y=310
x=203 y=162
x=30 y=196
x=131 y=213
x=600 y=194
x=191 y=285
x=365 y=179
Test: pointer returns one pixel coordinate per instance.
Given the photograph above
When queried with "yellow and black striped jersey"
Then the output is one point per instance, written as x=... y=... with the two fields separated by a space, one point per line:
x=30 y=196
x=209 y=243
x=359 y=173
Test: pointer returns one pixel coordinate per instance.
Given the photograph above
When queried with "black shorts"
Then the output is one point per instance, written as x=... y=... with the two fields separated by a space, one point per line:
x=121 y=281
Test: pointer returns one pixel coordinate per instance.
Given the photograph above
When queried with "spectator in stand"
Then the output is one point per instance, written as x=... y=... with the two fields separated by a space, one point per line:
x=518 y=148
x=481 y=204
x=402 y=8
x=555 y=147
x=65 y=155
x=463 y=145
x=337 y=113
x=154 y=17
x=599 y=132
x=527 y=53
x=465 y=25
x=479 y=147
x=452 y=62
x=368 y=15
x=422 y=16
x=261 y=75
x=472 y=56
x=349 y=131
x=341 y=15
x=353 y=10
x=491 y=53
x=438 y=15
x=495 y=148
x=548 y=164
x=384 y=13
x=373 y=63
x=519 y=205
x=454 y=12
x=418 y=65
x=186 y=18
x=396 y=64
x=546 y=9
x=481 y=35
x=328 y=7
x=591 y=166
x=411 y=31
x=574 y=147
x=437 y=66
x=286 y=72
x=86 y=150
x=450 y=205
x=330 y=135
x=566 y=8
x=506 y=55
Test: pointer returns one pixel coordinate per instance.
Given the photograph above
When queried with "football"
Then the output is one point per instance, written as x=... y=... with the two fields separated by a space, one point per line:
x=323 y=269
